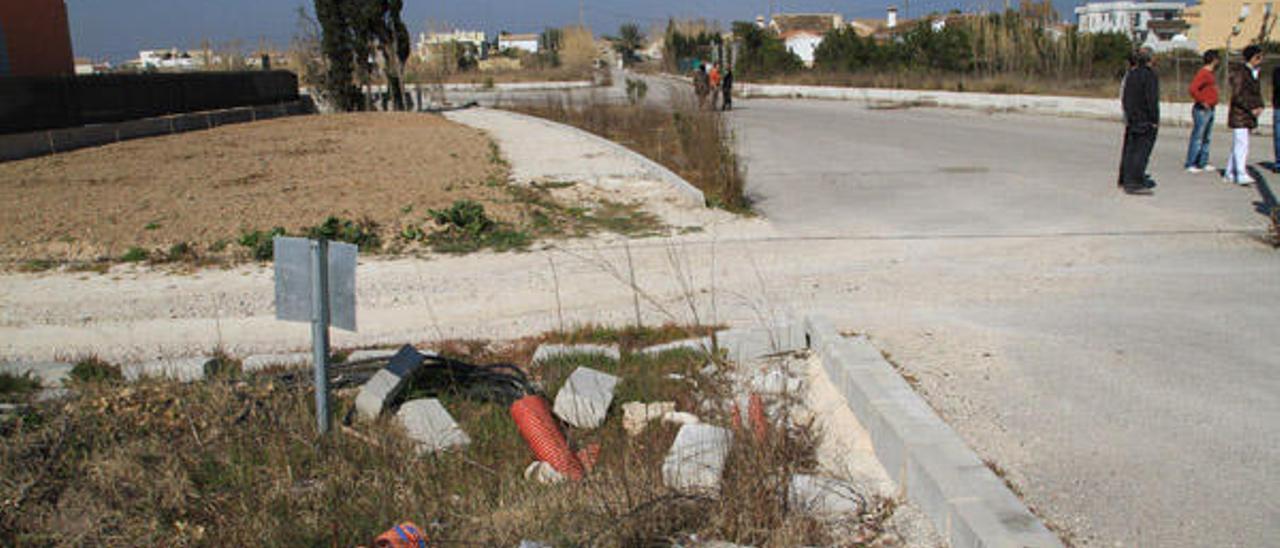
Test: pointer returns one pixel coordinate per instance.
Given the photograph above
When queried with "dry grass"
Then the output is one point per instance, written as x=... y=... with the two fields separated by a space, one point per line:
x=697 y=144
x=236 y=462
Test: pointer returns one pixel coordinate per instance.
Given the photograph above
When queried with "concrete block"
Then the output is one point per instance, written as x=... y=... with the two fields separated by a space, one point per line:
x=637 y=415
x=819 y=331
x=428 y=423
x=553 y=351
x=584 y=399
x=696 y=459
x=138 y=129
x=50 y=374
x=823 y=497
x=370 y=355
x=542 y=472
x=264 y=361
x=696 y=345
x=179 y=369
x=388 y=382
x=681 y=418
x=66 y=140
x=21 y=146
x=741 y=345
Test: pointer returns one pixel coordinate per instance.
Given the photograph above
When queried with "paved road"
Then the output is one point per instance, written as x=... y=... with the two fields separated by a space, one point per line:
x=1119 y=356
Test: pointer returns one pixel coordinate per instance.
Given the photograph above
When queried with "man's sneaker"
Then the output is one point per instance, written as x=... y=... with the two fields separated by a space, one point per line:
x=1208 y=168
x=1138 y=190
x=1194 y=170
x=1245 y=181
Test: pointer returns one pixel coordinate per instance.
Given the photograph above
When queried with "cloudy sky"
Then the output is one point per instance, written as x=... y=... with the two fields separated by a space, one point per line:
x=117 y=29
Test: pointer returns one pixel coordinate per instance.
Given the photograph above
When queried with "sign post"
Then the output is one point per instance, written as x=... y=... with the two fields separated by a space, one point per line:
x=316 y=284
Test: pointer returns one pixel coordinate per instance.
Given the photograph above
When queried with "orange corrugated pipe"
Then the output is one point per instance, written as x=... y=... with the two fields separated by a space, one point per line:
x=540 y=430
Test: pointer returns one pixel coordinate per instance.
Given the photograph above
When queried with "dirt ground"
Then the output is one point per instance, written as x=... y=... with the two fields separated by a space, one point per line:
x=206 y=188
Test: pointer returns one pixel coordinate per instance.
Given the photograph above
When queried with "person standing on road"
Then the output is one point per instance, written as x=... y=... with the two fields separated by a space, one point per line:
x=701 y=85
x=1142 y=122
x=1204 y=92
x=1246 y=105
x=715 y=85
x=726 y=87
x=1133 y=63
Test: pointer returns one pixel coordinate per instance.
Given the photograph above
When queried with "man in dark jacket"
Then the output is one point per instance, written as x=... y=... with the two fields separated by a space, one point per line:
x=1142 y=121
x=726 y=86
x=1246 y=105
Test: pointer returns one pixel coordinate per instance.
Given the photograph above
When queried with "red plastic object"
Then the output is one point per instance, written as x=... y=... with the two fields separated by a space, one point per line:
x=405 y=535
x=540 y=430
x=755 y=412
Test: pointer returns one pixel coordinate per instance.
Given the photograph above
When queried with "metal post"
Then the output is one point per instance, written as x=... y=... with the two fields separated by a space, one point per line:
x=320 y=329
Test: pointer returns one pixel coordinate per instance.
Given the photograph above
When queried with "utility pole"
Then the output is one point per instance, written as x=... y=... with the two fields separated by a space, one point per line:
x=582 y=13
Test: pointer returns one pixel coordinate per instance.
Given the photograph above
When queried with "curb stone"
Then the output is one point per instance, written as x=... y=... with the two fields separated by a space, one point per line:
x=964 y=499
x=553 y=351
x=697 y=345
x=690 y=193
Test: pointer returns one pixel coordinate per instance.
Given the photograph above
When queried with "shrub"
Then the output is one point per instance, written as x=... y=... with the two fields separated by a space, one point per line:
x=17 y=386
x=363 y=233
x=135 y=255
x=260 y=243
x=467 y=228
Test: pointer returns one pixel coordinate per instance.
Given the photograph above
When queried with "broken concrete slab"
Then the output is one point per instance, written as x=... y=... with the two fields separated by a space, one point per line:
x=637 y=415
x=824 y=497
x=428 y=423
x=744 y=344
x=178 y=369
x=50 y=374
x=680 y=417
x=265 y=361
x=584 y=400
x=552 y=351
x=695 y=345
x=696 y=458
x=387 y=383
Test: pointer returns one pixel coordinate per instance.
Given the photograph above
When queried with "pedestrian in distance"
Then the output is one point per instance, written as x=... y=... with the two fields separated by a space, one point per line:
x=726 y=87
x=1142 y=123
x=715 y=85
x=701 y=85
x=1246 y=106
x=1132 y=63
x=1204 y=94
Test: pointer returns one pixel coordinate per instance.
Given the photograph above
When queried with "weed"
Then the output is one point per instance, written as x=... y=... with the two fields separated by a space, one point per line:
x=93 y=369
x=181 y=251
x=135 y=255
x=219 y=246
x=152 y=226
x=17 y=387
x=362 y=233
x=261 y=243
x=495 y=156
x=407 y=209
x=465 y=228
x=38 y=265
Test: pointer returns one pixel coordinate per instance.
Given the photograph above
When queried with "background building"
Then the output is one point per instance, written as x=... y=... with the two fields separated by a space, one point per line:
x=804 y=32
x=523 y=42
x=1160 y=25
x=35 y=39
x=1211 y=22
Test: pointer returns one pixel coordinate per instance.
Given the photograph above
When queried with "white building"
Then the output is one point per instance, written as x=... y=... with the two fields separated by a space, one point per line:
x=804 y=32
x=522 y=42
x=1156 y=24
x=427 y=42
x=169 y=59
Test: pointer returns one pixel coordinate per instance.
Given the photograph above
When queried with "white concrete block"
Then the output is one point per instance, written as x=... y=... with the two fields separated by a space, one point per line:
x=542 y=472
x=264 y=361
x=696 y=459
x=178 y=369
x=696 y=345
x=387 y=383
x=680 y=417
x=584 y=400
x=552 y=351
x=370 y=355
x=428 y=423
x=50 y=374
x=824 y=497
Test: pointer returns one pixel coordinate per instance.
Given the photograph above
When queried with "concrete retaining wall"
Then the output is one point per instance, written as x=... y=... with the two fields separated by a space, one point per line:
x=967 y=503
x=1081 y=107
x=40 y=143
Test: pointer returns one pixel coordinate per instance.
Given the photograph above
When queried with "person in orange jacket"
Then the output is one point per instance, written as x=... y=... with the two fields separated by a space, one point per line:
x=715 y=86
x=1204 y=92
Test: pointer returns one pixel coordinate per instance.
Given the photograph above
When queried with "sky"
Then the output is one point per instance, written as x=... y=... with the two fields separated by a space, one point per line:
x=115 y=30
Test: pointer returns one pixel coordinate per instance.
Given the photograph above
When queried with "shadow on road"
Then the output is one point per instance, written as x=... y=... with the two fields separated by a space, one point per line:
x=1268 y=203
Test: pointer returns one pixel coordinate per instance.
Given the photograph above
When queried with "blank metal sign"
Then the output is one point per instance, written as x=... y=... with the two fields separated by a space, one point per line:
x=293 y=282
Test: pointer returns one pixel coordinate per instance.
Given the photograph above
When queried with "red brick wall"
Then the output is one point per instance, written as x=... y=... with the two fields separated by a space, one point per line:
x=36 y=37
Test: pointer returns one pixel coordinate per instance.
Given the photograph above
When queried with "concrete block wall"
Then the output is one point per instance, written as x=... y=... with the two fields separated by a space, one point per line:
x=968 y=504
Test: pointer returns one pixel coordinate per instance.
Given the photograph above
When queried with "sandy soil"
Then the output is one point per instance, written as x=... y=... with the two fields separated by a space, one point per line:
x=206 y=186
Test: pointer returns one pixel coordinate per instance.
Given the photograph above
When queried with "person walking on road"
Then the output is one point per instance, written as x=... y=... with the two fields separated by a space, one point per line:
x=1204 y=92
x=1142 y=122
x=726 y=88
x=1246 y=106
x=1133 y=63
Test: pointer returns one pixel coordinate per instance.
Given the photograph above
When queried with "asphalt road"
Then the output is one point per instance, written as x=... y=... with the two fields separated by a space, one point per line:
x=1118 y=356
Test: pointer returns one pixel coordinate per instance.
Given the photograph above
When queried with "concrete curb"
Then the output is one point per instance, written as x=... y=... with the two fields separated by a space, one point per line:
x=690 y=193
x=964 y=499
x=20 y=146
x=1173 y=114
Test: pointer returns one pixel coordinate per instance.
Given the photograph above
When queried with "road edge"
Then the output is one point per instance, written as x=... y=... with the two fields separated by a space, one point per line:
x=937 y=471
x=690 y=193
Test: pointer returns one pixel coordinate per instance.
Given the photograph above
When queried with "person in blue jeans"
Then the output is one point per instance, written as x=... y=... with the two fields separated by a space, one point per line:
x=1204 y=92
